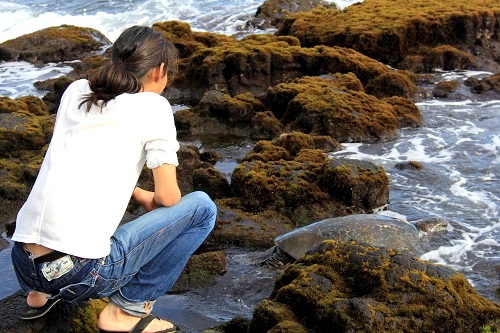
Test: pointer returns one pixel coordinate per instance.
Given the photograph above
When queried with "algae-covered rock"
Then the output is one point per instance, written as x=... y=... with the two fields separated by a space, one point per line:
x=212 y=182
x=351 y=287
x=319 y=106
x=356 y=183
x=201 y=271
x=187 y=41
x=257 y=62
x=490 y=83
x=288 y=146
x=293 y=177
x=54 y=44
x=219 y=113
x=240 y=228
x=443 y=88
x=272 y=12
x=389 y=33
x=25 y=124
x=265 y=126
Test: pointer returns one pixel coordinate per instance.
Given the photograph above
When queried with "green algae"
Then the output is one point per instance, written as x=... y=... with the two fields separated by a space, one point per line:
x=54 y=44
x=349 y=287
x=84 y=320
x=294 y=178
x=319 y=106
x=387 y=31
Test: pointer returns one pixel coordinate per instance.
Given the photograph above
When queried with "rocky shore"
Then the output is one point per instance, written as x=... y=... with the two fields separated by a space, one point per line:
x=326 y=77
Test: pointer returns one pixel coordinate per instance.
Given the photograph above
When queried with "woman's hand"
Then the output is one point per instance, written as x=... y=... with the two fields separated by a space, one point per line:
x=144 y=198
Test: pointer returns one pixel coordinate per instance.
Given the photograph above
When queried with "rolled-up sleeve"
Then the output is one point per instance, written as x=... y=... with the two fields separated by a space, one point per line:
x=160 y=138
x=160 y=152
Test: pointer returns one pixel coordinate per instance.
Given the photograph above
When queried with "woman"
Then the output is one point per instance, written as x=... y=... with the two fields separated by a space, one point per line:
x=67 y=244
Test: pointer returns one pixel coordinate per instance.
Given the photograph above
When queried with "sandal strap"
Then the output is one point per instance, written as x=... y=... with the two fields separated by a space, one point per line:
x=143 y=323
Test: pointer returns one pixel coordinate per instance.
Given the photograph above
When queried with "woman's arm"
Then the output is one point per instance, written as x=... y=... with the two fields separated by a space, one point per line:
x=166 y=193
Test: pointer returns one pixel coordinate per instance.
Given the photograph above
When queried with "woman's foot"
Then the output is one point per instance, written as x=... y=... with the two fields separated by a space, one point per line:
x=114 y=319
x=37 y=305
x=37 y=299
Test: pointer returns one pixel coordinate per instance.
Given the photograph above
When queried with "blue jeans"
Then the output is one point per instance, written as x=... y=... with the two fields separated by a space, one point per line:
x=147 y=256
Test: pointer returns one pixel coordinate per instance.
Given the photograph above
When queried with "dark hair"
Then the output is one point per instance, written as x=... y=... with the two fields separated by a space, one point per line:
x=135 y=52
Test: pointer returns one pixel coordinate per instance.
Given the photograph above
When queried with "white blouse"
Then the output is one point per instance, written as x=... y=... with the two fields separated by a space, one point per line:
x=91 y=168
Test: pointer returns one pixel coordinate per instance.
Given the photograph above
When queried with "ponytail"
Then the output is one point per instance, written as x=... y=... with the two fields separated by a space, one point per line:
x=135 y=52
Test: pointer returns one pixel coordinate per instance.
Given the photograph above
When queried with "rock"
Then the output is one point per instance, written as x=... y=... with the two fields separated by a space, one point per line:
x=265 y=126
x=257 y=62
x=54 y=44
x=408 y=30
x=490 y=83
x=318 y=106
x=201 y=271
x=356 y=183
x=212 y=182
x=351 y=287
x=238 y=228
x=292 y=177
x=64 y=317
x=410 y=165
x=272 y=12
x=187 y=41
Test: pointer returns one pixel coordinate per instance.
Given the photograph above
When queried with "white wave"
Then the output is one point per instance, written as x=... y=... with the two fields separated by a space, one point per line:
x=16 y=78
x=450 y=254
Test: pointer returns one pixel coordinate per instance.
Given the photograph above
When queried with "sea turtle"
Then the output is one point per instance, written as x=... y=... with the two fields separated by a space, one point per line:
x=372 y=229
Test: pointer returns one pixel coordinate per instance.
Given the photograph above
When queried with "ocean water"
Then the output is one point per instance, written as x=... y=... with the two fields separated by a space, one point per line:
x=458 y=148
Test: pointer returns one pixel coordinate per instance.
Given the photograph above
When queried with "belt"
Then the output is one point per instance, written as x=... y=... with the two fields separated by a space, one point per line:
x=51 y=256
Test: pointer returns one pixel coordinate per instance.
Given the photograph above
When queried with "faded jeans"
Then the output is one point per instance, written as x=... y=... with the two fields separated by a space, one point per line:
x=147 y=256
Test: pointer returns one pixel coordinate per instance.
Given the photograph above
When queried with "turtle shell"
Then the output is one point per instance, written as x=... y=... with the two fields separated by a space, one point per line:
x=372 y=229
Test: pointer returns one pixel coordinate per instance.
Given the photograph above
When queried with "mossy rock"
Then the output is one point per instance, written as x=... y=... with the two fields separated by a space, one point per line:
x=54 y=44
x=291 y=188
x=212 y=182
x=201 y=271
x=288 y=146
x=277 y=185
x=257 y=62
x=319 y=106
x=490 y=83
x=292 y=176
x=218 y=113
x=20 y=131
x=443 y=88
x=240 y=228
x=265 y=126
x=350 y=287
x=234 y=111
x=390 y=33
x=356 y=183
x=272 y=12
x=187 y=41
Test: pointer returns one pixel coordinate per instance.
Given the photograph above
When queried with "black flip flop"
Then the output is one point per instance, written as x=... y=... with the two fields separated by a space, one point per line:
x=142 y=324
x=29 y=312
